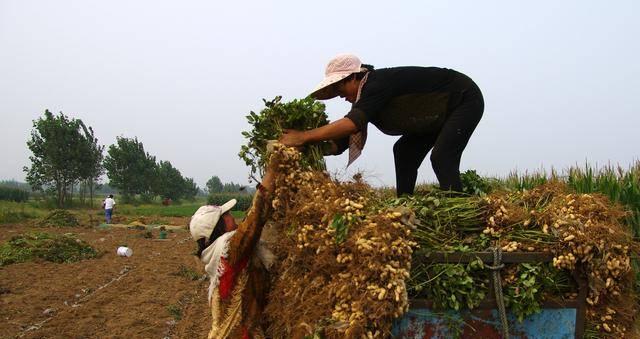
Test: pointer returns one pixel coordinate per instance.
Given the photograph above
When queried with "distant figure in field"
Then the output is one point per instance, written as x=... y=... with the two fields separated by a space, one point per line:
x=108 y=204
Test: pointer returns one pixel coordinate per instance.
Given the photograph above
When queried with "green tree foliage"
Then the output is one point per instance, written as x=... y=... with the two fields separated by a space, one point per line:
x=93 y=168
x=65 y=151
x=13 y=194
x=169 y=183
x=190 y=189
x=15 y=184
x=129 y=168
x=232 y=187
x=219 y=199
x=214 y=185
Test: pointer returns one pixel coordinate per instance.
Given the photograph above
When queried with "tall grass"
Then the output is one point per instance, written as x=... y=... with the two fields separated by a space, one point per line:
x=526 y=180
x=15 y=212
x=619 y=184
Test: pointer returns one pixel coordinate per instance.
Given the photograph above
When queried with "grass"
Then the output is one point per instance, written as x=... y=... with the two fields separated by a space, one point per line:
x=188 y=273
x=619 y=184
x=16 y=212
x=20 y=212
x=526 y=180
x=184 y=210
x=175 y=311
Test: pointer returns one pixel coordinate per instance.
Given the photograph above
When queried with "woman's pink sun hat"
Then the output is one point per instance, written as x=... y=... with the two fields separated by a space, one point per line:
x=338 y=68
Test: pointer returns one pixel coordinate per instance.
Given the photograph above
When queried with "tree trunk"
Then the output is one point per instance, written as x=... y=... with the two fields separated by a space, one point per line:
x=91 y=181
x=82 y=187
x=61 y=193
x=69 y=201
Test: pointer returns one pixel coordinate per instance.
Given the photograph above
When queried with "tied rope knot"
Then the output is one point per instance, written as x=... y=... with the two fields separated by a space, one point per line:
x=497 y=286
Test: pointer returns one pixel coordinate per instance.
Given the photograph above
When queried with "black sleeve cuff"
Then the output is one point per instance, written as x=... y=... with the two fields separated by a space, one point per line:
x=358 y=117
x=342 y=144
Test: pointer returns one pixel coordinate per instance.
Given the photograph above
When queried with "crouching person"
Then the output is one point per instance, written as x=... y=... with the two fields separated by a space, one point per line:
x=236 y=263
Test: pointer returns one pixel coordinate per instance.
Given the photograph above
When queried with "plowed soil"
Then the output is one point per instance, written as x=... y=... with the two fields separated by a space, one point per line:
x=142 y=296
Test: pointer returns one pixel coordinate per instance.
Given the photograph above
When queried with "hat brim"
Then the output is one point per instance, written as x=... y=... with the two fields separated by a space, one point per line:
x=228 y=205
x=325 y=89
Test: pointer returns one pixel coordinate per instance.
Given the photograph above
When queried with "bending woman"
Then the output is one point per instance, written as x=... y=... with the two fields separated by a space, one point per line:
x=430 y=108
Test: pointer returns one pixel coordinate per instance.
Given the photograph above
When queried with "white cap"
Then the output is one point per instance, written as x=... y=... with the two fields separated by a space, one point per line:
x=338 y=68
x=206 y=217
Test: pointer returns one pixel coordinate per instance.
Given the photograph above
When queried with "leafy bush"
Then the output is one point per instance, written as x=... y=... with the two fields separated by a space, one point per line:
x=244 y=200
x=50 y=247
x=13 y=194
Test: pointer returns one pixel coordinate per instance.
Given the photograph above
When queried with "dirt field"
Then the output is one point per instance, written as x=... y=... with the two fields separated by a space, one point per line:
x=143 y=296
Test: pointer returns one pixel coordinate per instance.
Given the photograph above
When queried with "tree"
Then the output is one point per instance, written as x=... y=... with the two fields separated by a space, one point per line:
x=92 y=168
x=62 y=149
x=190 y=189
x=231 y=187
x=129 y=168
x=214 y=185
x=169 y=182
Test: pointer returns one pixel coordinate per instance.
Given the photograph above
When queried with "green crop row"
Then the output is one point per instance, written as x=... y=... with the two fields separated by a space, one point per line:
x=13 y=194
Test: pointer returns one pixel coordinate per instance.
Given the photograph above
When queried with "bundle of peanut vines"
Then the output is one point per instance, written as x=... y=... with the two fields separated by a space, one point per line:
x=269 y=123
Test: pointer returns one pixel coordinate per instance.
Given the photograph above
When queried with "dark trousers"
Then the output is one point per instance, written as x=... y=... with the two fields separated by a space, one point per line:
x=410 y=150
x=108 y=213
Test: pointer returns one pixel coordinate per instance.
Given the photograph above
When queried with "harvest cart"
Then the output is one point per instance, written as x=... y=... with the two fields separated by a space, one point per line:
x=558 y=319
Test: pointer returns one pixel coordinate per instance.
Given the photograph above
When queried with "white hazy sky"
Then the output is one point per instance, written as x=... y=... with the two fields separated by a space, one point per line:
x=561 y=79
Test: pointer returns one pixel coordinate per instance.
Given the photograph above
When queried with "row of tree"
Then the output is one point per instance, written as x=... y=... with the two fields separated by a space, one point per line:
x=215 y=185
x=135 y=172
x=66 y=154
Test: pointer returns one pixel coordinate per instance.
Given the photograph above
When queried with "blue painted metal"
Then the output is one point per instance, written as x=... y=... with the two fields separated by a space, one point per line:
x=550 y=323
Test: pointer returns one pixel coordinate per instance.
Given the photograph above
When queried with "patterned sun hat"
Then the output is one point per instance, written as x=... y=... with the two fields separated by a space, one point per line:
x=338 y=68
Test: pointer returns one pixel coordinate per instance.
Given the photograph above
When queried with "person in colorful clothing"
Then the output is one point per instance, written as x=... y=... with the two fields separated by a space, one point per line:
x=430 y=108
x=236 y=262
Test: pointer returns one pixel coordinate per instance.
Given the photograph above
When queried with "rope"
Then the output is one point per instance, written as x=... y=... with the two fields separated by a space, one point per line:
x=497 y=286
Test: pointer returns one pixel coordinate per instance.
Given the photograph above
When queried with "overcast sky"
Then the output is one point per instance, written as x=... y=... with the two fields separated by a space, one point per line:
x=561 y=79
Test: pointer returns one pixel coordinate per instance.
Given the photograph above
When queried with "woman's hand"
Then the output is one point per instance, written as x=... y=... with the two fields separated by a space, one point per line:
x=335 y=130
x=293 y=138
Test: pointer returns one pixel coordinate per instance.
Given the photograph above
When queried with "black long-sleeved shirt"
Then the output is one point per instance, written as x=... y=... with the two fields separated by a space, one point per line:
x=407 y=100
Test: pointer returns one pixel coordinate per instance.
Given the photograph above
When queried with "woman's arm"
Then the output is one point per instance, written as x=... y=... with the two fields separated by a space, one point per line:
x=248 y=233
x=335 y=130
